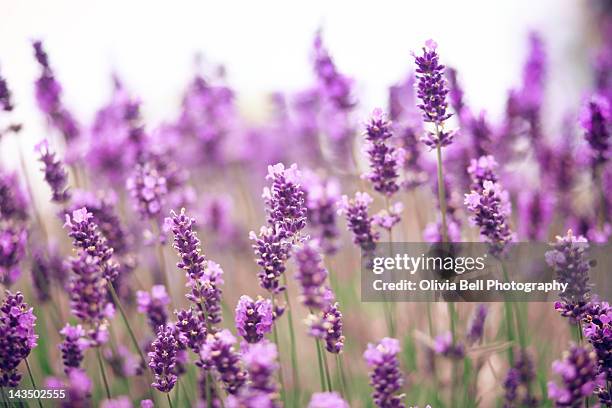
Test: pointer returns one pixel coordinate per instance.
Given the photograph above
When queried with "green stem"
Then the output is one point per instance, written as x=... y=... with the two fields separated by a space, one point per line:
x=343 y=383
x=441 y=193
x=281 y=377
x=103 y=372
x=294 y=364
x=320 y=360
x=32 y=380
x=209 y=402
x=111 y=288
x=326 y=367
x=169 y=400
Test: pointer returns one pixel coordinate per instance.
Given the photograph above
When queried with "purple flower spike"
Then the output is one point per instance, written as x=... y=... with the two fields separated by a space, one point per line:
x=334 y=85
x=444 y=346
x=382 y=155
x=535 y=209
x=390 y=217
x=327 y=325
x=73 y=346
x=13 y=201
x=55 y=174
x=481 y=170
x=219 y=352
x=154 y=305
x=192 y=325
x=597 y=329
x=77 y=387
x=163 y=359
x=311 y=274
x=327 y=400
x=432 y=91
x=86 y=236
x=595 y=120
x=5 y=96
x=285 y=200
x=490 y=211
x=271 y=251
x=148 y=190
x=579 y=378
x=17 y=337
x=477 y=323
x=254 y=318
x=261 y=363
x=385 y=378
x=13 y=241
x=359 y=221
x=517 y=383
x=321 y=198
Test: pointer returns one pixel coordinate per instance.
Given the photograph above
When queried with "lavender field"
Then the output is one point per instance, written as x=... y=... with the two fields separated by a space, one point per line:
x=207 y=259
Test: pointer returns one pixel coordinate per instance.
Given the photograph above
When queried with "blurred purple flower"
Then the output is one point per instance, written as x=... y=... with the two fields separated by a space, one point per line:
x=385 y=377
x=481 y=170
x=328 y=324
x=13 y=241
x=260 y=361
x=17 y=337
x=358 y=220
x=154 y=305
x=390 y=217
x=218 y=350
x=517 y=383
x=311 y=275
x=321 y=198
x=77 y=387
x=148 y=189
x=382 y=155
x=477 y=323
x=446 y=347
x=55 y=173
x=535 y=212
x=122 y=401
x=327 y=400
x=5 y=96
x=595 y=120
x=72 y=346
x=14 y=203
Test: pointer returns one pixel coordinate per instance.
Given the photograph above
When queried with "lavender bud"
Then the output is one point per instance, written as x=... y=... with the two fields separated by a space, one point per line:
x=13 y=201
x=73 y=346
x=321 y=198
x=597 y=329
x=285 y=200
x=271 y=251
x=5 y=96
x=13 y=240
x=446 y=347
x=55 y=174
x=476 y=325
x=382 y=155
x=218 y=350
x=358 y=220
x=595 y=120
x=163 y=359
x=385 y=378
x=311 y=274
x=192 y=325
x=154 y=305
x=260 y=361
x=148 y=190
x=254 y=318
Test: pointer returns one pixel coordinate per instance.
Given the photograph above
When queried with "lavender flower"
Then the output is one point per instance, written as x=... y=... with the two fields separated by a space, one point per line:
x=77 y=387
x=192 y=325
x=534 y=73
x=218 y=350
x=13 y=202
x=88 y=296
x=311 y=274
x=445 y=346
x=321 y=198
x=17 y=337
x=535 y=209
x=359 y=221
x=285 y=200
x=5 y=96
x=382 y=155
x=55 y=174
x=334 y=85
x=13 y=240
x=568 y=260
x=476 y=326
x=517 y=383
x=328 y=323
x=579 y=378
x=154 y=305
x=327 y=400
x=597 y=329
x=481 y=170
x=385 y=378
x=73 y=346
x=481 y=133
x=595 y=120
x=260 y=360
x=272 y=251
x=148 y=189
x=490 y=211
x=163 y=359
x=204 y=277
x=390 y=217
x=432 y=91
x=85 y=235
x=122 y=401
x=254 y=318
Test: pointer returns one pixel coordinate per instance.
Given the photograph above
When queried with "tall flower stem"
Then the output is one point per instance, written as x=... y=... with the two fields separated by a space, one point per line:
x=117 y=302
x=343 y=383
x=169 y=400
x=32 y=380
x=24 y=170
x=320 y=361
x=389 y=309
x=326 y=367
x=161 y=259
x=441 y=192
x=281 y=377
x=103 y=372
x=294 y=364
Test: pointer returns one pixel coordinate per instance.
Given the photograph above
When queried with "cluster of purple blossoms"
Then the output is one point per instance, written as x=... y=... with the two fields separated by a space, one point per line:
x=17 y=337
x=13 y=201
x=121 y=401
x=535 y=209
x=163 y=359
x=321 y=198
x=359 y=221
x=73 y=346
x=579 y=378
x=89 y=296
x=272 y=252
x=41 y=276
x=311 y=275
x=517 y=391
x=388 y=218
x=219 y=352
x=192 y=325
x=597 y=329
x=204 y=276
x=334 y=85
x=476 y=325
x=595 y=120
x=328 y=325
x=254 y=318
x=55 y=174
x=327 y=400
x=385 y=378
x=260 y=361
x=445 y=346
x=285 y=200
x=490 y=210
x=383 y=156
x=569 y=262
x=154 y=305
x=432 y=91
x=149 y=189
x=48 y=96
x=77 y=386
x=13 y=240
x=481 y=170
x=5 y=96
x=86 y=236
x=455 y=92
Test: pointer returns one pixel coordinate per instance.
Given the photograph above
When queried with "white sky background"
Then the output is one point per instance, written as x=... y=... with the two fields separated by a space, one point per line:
x=266 y=45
